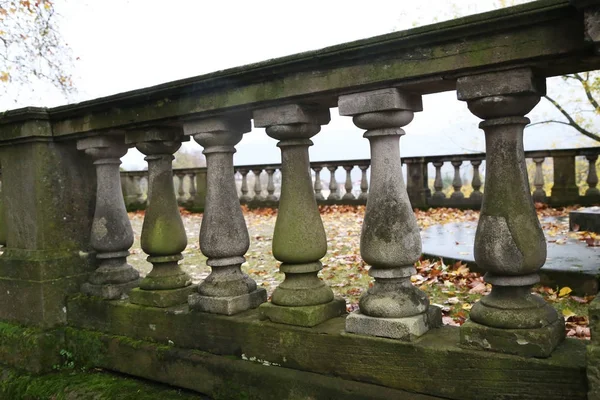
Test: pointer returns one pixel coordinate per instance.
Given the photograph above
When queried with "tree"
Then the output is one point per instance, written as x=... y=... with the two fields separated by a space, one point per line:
x=581 y=109
x=32 y=47
x=189 y=158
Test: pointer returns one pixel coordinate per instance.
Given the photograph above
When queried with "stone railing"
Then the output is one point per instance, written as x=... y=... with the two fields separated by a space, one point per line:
x=64 y=273
x=265 y=186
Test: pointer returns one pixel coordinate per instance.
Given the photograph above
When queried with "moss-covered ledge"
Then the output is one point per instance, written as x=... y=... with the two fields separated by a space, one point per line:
x=30 y=349
x=84 y=385
x=328 y=350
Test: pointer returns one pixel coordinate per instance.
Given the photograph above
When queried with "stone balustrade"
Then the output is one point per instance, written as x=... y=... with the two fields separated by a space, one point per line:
x=65 y=282
x=432 y=181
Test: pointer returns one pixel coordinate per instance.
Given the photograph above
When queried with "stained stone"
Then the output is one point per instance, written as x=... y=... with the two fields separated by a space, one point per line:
x=407 y=328
x=308 y=316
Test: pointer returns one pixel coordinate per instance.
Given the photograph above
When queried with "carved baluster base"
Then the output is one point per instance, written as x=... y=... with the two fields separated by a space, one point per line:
x=302 y=298
x=113 y=279
x=227 y=290
x=393 y=307
x=165 y=286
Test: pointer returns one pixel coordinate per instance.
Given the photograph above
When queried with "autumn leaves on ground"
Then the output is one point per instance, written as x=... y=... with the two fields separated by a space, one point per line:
x=452 y=287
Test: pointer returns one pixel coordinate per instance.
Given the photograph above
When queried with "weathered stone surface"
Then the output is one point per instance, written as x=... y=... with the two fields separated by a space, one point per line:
x=111 y=234
x=407 y=328
x=326 y=349
x=161 y=298
x=223 y=234
x=564 y=188
x=379 y=100
x=163 y=234
x=509 y=242
x=222 y=378
x=227 y=305
x=308 y=316
x=30 y=349
x=536 y=342
x=299 y=239
x=593 y=371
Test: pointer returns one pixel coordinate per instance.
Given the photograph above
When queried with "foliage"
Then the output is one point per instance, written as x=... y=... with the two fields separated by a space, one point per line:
x=189 y=158
x=31 y=46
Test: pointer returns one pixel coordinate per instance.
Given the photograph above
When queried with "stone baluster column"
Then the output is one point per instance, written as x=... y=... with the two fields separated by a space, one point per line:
x=192 y=191
x=111 y=234
x=539 y=195
x=163 y=234
x=333 y=185
x=564 y=189
x=258 y=197
x=364 y=183
x=592 y=178
x=223 y=234
x=270 y=184
x=417 y=184
x=348 y=185
x=299 y=240
x=245 y=198
x=138 y=197
x=318 y=185
x=438 y=184
x=509 y=242
x=476 y=195
x=181 y=197
x=390 y=240
x=457 y=182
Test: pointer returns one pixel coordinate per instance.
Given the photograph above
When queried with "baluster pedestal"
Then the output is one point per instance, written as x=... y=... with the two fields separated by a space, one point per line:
x=390 y=240
x=299 y=240
x=509 y=242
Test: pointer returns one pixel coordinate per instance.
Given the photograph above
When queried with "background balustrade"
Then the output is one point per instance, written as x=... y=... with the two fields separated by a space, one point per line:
x=455 y=180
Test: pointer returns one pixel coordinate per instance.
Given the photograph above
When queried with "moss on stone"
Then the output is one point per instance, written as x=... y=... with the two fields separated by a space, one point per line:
x=83 y=386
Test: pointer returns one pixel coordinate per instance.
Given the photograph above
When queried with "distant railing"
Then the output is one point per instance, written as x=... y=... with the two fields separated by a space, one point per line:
x=259 y=185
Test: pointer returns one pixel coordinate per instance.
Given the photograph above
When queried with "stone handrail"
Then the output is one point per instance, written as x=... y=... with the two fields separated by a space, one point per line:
x=422 y=191
x=66 y=232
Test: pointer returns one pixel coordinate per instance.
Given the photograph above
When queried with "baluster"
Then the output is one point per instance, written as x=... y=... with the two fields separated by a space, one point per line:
x=509 y=243
x=564 y=189
x=163 y=234
x=318 y=185
x=223 y=234
x=539 y=195
x=364 y=183
x=348 y=186
x=271 y=184
x=476 y=182
x=192 y=190
x=390 y=239
x=137 y=189
x=257 y=185
x=438 y=184
x=245 y=198
x=457 y=181
x=181 y=195
x=299 y=240
x=333 y=185
x=111 y=234
x=592 y=178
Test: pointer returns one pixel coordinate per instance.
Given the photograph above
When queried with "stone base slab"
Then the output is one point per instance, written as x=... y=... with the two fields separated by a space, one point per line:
x=523 y=342
x=407 y=329
x=587 y=219
x=227 y=305
x=161 y=298
x=110 y=291
x=308 y=316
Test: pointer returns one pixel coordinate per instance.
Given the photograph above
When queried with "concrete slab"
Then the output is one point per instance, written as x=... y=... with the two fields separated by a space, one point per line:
x=570 y=262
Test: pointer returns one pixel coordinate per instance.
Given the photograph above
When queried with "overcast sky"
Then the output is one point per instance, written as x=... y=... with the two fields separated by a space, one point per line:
x=125 y=45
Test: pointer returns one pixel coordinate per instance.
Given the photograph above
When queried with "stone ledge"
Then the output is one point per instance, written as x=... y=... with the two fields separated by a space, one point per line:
x=220 y=377
x=327 y=349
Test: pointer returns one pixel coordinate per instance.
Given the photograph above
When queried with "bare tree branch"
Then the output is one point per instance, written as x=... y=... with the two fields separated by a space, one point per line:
x=571 y=122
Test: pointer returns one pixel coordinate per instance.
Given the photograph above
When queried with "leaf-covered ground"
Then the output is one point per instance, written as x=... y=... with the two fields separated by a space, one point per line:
x=452 y=287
